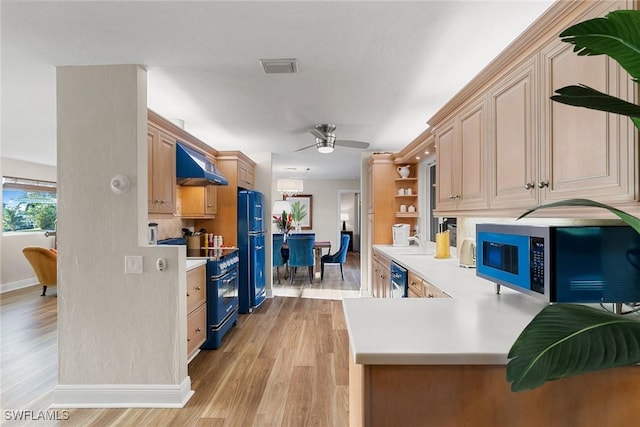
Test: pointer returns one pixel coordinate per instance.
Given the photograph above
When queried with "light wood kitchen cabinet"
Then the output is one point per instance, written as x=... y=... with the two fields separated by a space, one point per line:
x=584 y=153
x=538 y=151
x=196 y=310
x=246 y=174
x=461 y=159
x=514 y=140
x=199 y=202
x=431 y=291
x=380 y=193
x=416 y=289
x=161 y=170
x=380 y=277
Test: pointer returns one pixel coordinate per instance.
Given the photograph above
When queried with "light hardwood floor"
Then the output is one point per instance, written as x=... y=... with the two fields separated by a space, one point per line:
x=286 y=364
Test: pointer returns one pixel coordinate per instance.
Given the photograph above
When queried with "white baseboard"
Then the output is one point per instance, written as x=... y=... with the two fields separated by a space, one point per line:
x=12 y=286
x=122 y=395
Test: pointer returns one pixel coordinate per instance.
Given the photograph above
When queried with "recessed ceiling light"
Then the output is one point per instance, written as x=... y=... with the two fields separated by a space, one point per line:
x=279 y=66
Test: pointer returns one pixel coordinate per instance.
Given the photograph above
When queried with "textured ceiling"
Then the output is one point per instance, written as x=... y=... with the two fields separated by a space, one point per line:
x=377 y=70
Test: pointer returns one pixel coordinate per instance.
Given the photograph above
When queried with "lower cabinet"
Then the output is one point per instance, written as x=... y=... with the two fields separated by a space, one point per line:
x=416 y=289
x=196 y=310
x=380 y=275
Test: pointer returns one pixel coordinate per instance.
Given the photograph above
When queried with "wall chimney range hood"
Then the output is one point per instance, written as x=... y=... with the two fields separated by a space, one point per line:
x=194 y=169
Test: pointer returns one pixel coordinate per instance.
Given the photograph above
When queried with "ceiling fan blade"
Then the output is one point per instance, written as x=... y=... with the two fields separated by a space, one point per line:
x=304 y=148
x=352 y=144
x=315 y=132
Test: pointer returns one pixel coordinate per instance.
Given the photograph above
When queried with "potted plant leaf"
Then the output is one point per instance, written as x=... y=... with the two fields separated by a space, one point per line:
x=569 y=339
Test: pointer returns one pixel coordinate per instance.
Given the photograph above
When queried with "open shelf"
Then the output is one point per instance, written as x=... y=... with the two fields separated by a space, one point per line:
x=407 y=215
x=407 y=195
x=406 y=179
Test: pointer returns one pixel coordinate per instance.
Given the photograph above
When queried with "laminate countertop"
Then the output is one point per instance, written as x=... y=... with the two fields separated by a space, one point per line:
x=193 y=263
x=475 y=326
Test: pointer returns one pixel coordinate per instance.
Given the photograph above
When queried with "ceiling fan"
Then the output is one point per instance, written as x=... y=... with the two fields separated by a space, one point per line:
x=326 y=139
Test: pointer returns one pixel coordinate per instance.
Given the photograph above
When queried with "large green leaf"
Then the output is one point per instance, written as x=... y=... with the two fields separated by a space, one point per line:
x=628 y=218
x=584 y=96
x=566 y=339
x=616 y=35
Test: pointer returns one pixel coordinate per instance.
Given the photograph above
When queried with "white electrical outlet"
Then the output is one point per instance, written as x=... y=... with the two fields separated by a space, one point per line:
x=161 y=264
x=133 y=264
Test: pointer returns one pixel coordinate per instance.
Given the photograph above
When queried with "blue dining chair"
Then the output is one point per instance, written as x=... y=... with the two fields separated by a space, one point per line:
x=278 y=259
x=338 y=258
x=301 y=253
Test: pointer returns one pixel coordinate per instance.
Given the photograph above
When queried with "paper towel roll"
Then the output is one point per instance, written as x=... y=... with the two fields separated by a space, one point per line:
x=442 y=245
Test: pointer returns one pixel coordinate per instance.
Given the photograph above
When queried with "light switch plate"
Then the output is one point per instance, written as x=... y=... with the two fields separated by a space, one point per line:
x=133 y=264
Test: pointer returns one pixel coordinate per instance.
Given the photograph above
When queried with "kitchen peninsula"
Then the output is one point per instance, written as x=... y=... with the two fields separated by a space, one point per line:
x=441 y=361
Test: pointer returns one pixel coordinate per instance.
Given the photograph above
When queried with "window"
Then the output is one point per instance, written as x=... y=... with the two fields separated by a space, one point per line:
x=28 y=204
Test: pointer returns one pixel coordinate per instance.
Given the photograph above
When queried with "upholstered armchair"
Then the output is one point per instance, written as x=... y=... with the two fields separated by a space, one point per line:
x=338 y=258
x=301 y=253
x=44 y=263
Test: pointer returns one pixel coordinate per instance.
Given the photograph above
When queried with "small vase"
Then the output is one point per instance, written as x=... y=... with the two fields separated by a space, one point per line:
x=284 y=238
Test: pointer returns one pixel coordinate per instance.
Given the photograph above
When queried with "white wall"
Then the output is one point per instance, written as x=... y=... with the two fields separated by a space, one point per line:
x=121 y=337
x=15 y=271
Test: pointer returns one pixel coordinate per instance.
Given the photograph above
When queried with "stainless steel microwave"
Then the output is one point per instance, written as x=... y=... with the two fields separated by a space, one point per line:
x=570 y=264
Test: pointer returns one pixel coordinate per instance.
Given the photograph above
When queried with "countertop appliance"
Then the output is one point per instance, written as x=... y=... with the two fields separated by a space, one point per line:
x=467 y=257
x=251 y=244
x=195 y=169
x=399 y=281
x=400 y=234
x=222 y=289
x=568 y=264
x=152 y=233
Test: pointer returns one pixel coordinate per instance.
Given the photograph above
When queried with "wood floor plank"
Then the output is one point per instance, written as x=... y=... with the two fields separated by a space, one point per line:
x=298 y=401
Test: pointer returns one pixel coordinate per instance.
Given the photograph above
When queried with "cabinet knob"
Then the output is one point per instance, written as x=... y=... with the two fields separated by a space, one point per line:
x=188 y=294
x=156 y=201
x=543 y=184
x=429 y=295
x=188 y=339
x=163 y=202
x=457 y=196
x=198 y=330
x=451 y=196
x=198 y=288
x=529 y=186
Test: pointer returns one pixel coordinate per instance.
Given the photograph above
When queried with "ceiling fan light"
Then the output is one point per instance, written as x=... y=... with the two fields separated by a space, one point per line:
x=325 y=149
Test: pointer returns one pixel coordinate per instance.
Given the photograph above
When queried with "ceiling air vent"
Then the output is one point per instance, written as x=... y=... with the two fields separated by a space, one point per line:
x=271 y=66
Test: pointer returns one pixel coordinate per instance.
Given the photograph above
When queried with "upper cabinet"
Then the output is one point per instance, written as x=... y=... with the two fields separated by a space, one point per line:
x=514 y=144
x=161 y=170
x=199 y=202
x=461 y=159
x=503 y=146
x=584 y=153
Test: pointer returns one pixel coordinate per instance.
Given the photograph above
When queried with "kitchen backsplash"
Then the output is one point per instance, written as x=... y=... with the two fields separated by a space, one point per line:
x=467 y=226
x=168 y=228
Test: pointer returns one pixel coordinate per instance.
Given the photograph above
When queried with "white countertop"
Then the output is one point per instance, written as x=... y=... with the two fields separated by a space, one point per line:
x=473 y=327
x=193 y=263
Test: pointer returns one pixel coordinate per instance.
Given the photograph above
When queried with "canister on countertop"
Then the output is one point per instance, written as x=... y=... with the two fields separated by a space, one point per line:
x=442 y=242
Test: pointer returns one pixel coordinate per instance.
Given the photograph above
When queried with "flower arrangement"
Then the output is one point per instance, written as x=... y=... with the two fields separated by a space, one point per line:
x=284 y=222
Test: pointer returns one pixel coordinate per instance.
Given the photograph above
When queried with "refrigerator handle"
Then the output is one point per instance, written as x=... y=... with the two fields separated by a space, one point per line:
x=257 y=218
x=259 y=247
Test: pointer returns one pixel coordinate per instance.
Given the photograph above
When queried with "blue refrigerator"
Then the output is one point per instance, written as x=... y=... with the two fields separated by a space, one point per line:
x=251 y=245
